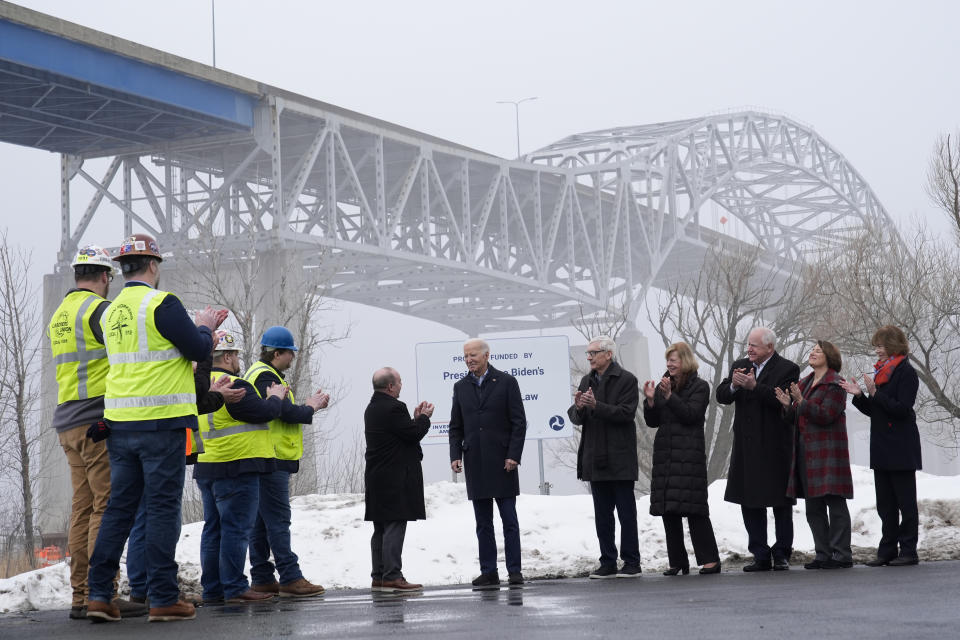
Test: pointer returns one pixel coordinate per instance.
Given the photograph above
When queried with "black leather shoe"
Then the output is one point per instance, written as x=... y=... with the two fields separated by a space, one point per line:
x=672 y=571
x=757 y=566
x=491 y=579
x=708 y=570
x=835 y=564
x=780 y=564
x=877 y=562
x=904 y=561
x=814 y=564
x=515 y=578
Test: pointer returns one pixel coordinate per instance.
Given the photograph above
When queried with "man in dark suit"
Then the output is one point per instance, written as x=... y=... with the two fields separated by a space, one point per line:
x=760 y=461
x=393 y=477
x=487 y=430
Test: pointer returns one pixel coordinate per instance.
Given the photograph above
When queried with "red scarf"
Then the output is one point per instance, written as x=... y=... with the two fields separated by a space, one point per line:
x=883 y=370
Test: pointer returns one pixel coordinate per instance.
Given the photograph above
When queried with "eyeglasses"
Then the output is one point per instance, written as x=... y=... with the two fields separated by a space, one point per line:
x=594 y=354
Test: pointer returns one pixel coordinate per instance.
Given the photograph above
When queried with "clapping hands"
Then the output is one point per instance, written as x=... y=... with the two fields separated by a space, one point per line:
x=585 y=399
x=423 y=409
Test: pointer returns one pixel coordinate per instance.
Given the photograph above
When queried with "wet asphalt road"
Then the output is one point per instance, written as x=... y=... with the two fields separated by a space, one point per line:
x=905 y=602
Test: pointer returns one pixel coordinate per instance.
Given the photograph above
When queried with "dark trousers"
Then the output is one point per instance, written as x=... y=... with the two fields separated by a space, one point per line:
x=755 y=521
x=897 y=507
x=607 y=496
x=271 y=533
x=386 y=547
x=831 y=535
x=701 y=534
x=487 y=542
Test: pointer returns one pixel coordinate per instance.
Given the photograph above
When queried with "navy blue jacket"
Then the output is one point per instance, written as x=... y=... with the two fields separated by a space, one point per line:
x=289 y=412
x=894 y=437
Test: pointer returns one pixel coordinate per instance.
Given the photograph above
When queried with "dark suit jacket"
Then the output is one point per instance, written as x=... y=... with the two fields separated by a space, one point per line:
x=608 y=439
x=894 y=437
x=487 y=426
x=393 y=476
x=762 y=440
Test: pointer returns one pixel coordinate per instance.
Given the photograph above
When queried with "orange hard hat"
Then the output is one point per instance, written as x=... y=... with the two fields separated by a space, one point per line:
x=139 y=244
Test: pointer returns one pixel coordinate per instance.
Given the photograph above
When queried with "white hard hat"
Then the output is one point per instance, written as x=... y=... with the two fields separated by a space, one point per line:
x=227 y=342
x=93 y=255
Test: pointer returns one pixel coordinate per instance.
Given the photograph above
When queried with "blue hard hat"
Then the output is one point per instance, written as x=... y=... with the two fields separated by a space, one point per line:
x=278 y=338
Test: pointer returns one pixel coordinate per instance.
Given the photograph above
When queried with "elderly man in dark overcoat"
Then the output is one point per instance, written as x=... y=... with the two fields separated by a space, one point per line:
x=605 y=405
x=488 y=426
x=393 y=477
x=762 y=448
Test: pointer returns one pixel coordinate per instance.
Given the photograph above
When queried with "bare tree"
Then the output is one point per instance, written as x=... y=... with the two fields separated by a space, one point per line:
x=19 y=388
x=943 y=178
x=713 y=312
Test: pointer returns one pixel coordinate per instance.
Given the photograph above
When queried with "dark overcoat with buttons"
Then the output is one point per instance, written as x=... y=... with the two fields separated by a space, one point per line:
x=894 y=437
x=678 y=484
x=487 y=426
x=762 y=440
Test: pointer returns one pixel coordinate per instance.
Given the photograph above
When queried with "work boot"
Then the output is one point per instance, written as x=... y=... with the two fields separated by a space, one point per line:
x=78 y=612
x=375 y=584
x=400 y=585
x=129 y=608
x=267 y=587
x=98 y=611
x=250 y=596
x=178 y=611
x=301 y=588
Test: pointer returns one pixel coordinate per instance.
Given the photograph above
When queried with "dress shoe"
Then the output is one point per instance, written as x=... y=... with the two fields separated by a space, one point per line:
x=515 y=578
x=835 y=564
x=604 y=571
x=780 y=564
x=267 y=587
x=400 y=585
x=301 y=588
x=250 y=596
x=904 y=561
x=129 y=608
x=102 y=611
x=814 y=564
x=630 y=571
x=78 y=612
x=757 y=566
x=491 y=579
x=178 y=611
x=672 y=571
x=877 y=562
x=708 y=570
x=375 y=584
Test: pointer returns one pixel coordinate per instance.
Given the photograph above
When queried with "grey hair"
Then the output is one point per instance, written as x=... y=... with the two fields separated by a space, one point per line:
x=383 y=378
x=483 y=344
x=606 y=343
x=767 y=336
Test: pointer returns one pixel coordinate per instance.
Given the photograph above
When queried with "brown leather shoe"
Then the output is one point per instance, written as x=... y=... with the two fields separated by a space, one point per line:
x=301 y=588
x=268 y=587
x=179 y=611
x=375 y=584
x=102 y=611
x=400 y=585
x=250 y=596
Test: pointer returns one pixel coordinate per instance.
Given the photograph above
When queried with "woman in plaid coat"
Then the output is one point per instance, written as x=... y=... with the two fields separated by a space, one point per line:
x=820 y=470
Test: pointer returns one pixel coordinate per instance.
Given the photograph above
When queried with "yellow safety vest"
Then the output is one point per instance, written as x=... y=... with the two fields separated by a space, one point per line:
x=149 y=379
x=226 y=438
x=287 y=436
x=80 y=359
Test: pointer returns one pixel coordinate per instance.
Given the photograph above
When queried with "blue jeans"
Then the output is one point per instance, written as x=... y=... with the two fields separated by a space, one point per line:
x=272 y=533
x=229 y=512
x=137 y=554
x=147 y=466
x=487 y=542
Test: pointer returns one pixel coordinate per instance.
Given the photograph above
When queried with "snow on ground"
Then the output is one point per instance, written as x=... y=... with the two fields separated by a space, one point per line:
x=557 y=537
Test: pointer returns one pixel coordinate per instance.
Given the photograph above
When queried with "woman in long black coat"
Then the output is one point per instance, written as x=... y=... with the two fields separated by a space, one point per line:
x=894 y=445
x=677 y=407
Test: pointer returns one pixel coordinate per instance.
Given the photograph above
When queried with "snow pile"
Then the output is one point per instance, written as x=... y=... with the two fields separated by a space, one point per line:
x=557 y=537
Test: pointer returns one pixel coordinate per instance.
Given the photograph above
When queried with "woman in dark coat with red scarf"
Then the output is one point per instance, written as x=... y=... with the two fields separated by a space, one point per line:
x=894 y=445
x=820 y=467
x=676 y=408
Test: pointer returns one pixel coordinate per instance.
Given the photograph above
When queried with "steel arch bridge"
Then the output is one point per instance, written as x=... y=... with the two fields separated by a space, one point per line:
x=425 y=227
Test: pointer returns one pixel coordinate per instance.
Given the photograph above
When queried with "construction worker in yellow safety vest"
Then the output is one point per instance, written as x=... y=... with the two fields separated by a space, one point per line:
x=149 y=402
x=271 y=533
x=238 y=450
x=80 y=358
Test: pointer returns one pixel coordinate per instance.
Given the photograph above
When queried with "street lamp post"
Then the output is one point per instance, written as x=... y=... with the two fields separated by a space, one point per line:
x=516 y=111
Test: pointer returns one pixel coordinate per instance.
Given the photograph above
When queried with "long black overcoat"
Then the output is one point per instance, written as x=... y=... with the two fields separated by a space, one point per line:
x=894 y=437
x=762 y=440
x=487 y=426
x=393 y=475
x=678 y=484
x=608 y=439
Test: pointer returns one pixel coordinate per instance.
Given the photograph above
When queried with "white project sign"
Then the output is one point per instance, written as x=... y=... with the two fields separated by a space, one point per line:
x=541 y=366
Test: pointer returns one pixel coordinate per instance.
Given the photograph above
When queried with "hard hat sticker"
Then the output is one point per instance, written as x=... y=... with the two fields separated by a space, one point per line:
x=140 y=245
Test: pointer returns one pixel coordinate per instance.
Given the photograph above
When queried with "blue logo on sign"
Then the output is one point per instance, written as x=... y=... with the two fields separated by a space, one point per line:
x=556 y=423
